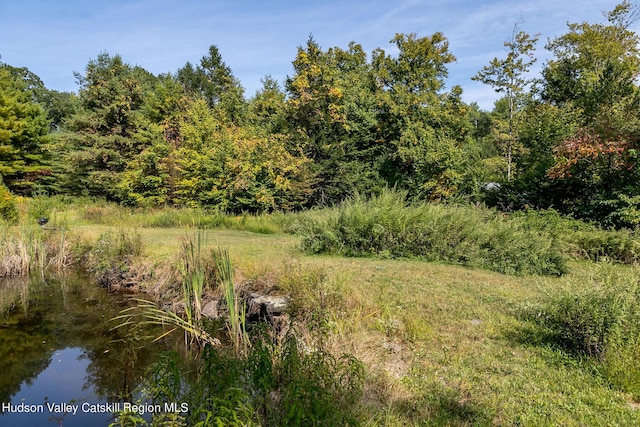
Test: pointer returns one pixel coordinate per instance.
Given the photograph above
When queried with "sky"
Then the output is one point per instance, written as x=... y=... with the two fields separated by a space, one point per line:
x=54 y=38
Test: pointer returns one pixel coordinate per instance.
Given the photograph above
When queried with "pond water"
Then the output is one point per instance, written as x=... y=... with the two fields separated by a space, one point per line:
x=61 y=361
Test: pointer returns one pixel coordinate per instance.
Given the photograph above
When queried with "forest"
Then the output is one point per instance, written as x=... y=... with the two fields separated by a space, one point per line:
x=344 y=123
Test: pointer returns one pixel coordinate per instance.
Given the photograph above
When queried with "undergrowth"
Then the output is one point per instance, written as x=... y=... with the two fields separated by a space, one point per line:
x=386 y=226
x=110 y=214
x=597 y=319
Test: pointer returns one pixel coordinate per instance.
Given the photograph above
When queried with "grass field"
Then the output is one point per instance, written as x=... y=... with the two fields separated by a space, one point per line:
x=441 y=344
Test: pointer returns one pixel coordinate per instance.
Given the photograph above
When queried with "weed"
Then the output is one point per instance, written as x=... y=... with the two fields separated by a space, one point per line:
x=193 y=276
x=237 y=309
x=110 y=258
x=599 y=319
x=275 y=384
x=386 y=226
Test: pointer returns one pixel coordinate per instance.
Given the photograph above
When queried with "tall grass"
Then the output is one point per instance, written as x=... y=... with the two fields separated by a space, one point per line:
x=147 y=312
x=193 y=276
x=386 y=226
x=111 y=257
x=274 y=385
x=236 y=307
x=597 y=318
x=582 y=240
x=28 y=250
x=110 y=214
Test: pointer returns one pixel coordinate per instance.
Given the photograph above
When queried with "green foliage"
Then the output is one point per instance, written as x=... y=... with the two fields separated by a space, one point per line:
x=593 y=76
x=621 y=245
x=102 y=133
x=112 y=214
x=509 y=76
x=213 y=81
x=236 y=308
x=598 y=317
x=109 y=259
x=423 y=127
x=582 y=240
x=233 y=168
x=331 y=114
x=386 y=226
x=194 y=277
x=540 y=127
x=594 y=64
x=40 y=206
x=8 y=210
x=276 y=384
x=23 y=129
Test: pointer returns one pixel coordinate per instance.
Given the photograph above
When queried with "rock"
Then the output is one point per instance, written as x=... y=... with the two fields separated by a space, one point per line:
x=210 y=310
x=392 y=347
x=261 y=306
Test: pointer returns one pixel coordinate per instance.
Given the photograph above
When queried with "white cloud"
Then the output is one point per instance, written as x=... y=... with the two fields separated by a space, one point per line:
x=257 y=38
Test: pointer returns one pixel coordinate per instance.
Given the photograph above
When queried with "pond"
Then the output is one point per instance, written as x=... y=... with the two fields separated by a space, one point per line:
x=62 y=362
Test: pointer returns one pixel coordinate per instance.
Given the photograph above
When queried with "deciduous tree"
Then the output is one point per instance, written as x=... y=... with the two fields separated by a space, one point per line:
x=509 y=76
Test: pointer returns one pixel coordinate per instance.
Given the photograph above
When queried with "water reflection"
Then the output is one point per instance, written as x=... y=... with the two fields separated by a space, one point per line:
x=57 y=395
x=60 y=347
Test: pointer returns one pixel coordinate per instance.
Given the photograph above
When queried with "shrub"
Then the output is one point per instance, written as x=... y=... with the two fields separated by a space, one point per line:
x=109 y=260
x=599 y=319
x=8 y=210
x=620 y=245
x=387 y=226
x=582 y=240
x=275 y=384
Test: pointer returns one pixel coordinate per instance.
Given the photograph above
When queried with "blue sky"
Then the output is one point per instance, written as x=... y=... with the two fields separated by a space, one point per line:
x=54 y=38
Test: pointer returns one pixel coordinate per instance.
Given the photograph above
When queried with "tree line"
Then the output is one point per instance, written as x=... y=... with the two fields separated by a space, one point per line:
x=345 y=122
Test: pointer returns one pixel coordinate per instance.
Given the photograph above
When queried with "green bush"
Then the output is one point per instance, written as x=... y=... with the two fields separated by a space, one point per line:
x=387 y=226
x=599 y=319
x=584 y=240
x=8 y=210
x=109 y=259
x=276 y=385
x=620 y=245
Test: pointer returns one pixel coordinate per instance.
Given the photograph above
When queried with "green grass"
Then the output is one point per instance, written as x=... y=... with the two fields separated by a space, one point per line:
x=387 y=227
x=441 y=344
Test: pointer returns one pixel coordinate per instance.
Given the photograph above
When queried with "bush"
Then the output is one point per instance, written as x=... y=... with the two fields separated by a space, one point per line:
x=621 y=245
x=386 y=226
x=599 y=319
x=582 y=240
x=109 y=260
x=276 y=385
x=8 y=210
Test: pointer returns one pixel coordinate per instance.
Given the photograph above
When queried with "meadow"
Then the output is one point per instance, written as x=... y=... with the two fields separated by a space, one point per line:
x=400 y=314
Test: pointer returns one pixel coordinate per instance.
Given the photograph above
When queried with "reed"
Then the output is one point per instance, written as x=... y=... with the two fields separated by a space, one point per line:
x=237 y=309
x=149 y=313
x=192 y=270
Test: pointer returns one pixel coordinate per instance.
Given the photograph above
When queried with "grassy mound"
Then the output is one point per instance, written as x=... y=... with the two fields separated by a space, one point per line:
x=386 y=226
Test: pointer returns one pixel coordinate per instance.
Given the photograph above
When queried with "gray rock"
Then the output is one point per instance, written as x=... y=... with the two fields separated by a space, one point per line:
x=265 y=306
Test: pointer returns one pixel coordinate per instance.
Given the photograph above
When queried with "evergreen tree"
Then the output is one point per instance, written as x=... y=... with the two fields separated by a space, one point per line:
x=213 y=81
x=101 y=135
x=23 y=132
